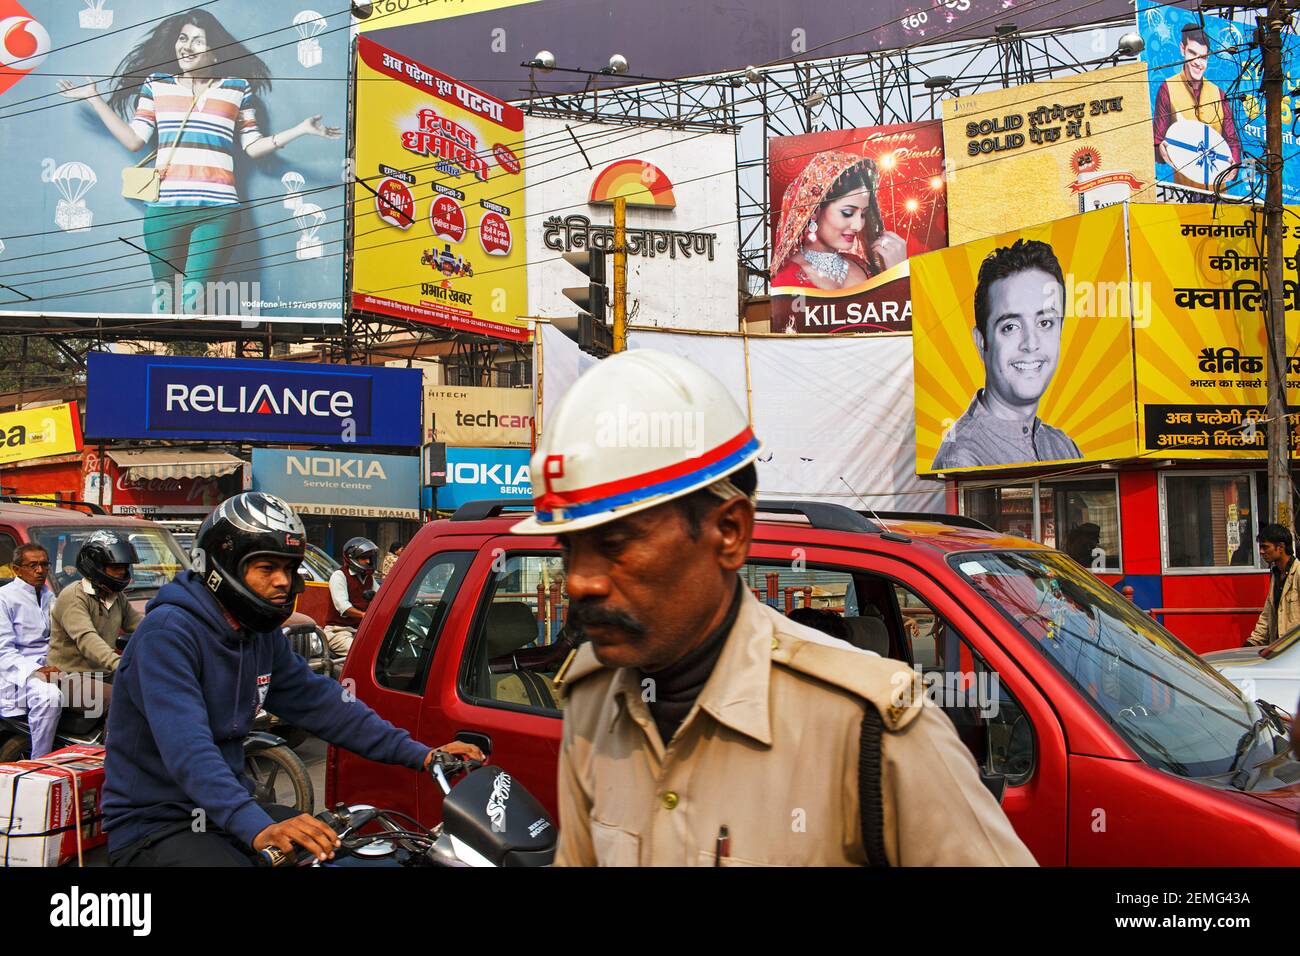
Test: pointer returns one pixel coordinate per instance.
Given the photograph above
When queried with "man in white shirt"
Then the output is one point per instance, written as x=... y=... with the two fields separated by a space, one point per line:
x=27 y=684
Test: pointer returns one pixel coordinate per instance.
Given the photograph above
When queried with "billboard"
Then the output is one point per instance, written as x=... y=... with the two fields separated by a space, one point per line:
x=439 y=212
x=346 y=484
x=487 y=417
x=849 y=207
x=246 y=220
x=681 y=219
x=39 y=433
x=489 y=39
x=1206 y=105
x=1023 y=352
x=158 y=396
x=1042 y=151
x=478 y=474
x=1202 y=367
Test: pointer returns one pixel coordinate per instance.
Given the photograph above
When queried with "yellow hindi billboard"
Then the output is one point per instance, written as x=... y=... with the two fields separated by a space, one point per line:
x=39 y=433
x=1041 y=151
x=438 y=207
x=1022 y=348
x=1201 y=353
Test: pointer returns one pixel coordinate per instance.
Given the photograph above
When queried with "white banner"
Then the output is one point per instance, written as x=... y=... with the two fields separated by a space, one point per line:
x=835 y=415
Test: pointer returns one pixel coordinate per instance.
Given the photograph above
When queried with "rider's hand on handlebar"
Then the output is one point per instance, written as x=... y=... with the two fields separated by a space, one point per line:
x=459 y=749
x=303 y=830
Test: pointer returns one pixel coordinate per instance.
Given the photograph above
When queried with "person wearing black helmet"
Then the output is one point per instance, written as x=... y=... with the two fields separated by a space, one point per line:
x=352 y=587
x=89 y=614
x=208 y=655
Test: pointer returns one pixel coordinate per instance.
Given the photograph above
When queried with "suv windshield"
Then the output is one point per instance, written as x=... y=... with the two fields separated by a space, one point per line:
x=1174 y=710
x=160 y=558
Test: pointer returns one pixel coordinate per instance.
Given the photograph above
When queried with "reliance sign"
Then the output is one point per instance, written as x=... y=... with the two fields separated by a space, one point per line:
x=150 y=396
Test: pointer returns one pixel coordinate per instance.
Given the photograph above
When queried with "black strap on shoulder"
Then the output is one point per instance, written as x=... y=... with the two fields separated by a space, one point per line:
x=870 y=802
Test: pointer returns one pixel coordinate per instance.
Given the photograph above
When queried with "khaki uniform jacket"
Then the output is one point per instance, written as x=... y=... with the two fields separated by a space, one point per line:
x=83 y=633
x=770 y=749
x=1288 y=615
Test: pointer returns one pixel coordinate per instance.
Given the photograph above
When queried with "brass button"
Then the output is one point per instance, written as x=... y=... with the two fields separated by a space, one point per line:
x=670 y=800
x=775 y=643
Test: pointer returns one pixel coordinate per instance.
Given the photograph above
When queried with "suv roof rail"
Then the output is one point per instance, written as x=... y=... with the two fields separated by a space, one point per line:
x=481 y=510
x=93 y=508
x=954 y=521
x=823 y=516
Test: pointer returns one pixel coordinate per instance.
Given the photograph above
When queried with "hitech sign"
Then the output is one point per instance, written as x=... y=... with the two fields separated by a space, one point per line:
x=151 y=396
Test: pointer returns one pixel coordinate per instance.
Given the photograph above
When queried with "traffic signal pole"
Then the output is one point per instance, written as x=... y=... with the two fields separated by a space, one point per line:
x=1279 y=445
x=620 y=274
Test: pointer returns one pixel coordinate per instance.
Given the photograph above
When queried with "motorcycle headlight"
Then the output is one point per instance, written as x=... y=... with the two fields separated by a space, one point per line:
x=316 y=645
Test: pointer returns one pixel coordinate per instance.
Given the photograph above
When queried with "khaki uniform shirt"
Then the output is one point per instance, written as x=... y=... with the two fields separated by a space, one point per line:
x=1288 y=611
x=83 y=632
x=770 y=749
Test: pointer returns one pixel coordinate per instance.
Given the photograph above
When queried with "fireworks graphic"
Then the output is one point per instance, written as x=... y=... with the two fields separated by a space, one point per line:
x=910 y=194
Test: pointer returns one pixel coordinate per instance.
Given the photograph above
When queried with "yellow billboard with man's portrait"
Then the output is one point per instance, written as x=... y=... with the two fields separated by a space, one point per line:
x=1022 y=348
x=1202 y=358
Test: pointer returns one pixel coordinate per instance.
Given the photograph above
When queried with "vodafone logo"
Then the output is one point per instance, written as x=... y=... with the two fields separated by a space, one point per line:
x=24 y=43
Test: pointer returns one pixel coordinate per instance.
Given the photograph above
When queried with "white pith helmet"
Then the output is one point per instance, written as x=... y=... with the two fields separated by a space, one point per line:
x=636 y=430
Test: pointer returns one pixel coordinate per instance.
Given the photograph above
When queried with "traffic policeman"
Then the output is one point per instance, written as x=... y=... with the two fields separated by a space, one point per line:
x=701 y=726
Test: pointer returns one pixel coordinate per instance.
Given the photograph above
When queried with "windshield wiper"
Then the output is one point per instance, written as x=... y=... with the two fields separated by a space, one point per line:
x=1247 y=741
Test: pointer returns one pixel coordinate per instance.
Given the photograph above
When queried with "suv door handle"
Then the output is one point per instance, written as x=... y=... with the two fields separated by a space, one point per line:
x=482 y=741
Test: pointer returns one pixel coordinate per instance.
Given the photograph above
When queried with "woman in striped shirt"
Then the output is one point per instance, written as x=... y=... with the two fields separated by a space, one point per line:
x=190 y=64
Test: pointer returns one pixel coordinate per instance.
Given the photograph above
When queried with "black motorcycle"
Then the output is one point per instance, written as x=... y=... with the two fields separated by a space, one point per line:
x=488 y=819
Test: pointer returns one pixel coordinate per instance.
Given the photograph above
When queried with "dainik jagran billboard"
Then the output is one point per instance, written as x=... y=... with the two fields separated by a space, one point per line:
x=681 y=219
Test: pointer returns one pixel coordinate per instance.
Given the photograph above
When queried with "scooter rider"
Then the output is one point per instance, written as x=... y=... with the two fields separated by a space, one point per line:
x=89 y=615
x=352 y=588
x=208 y=654
x=28 y=683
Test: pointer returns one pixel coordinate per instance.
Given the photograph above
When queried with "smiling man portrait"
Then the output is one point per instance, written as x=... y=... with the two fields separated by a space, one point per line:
x=1019 y=314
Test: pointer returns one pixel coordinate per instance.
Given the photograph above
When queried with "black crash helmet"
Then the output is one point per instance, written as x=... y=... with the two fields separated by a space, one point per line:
x=358 y=550
x=106 y=546
x=242 y=528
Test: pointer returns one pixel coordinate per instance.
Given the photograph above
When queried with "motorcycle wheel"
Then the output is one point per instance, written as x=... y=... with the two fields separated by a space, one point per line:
x=280 y=776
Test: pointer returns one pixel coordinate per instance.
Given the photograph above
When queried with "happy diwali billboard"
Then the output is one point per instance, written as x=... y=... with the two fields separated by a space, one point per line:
x=849 y=208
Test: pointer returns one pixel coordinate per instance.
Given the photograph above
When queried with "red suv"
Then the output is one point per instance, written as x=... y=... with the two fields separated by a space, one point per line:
x=1112 y=742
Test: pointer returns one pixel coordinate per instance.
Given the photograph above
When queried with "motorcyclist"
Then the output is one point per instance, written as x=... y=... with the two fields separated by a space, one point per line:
x=208 y=654
x=89 y=615
x=352 y=587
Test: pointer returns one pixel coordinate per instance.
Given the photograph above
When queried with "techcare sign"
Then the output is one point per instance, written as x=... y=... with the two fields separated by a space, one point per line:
x=152 y=396
x=478 y=474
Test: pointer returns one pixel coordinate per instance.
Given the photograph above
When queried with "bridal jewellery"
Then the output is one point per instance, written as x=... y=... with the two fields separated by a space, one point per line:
x=830 y=264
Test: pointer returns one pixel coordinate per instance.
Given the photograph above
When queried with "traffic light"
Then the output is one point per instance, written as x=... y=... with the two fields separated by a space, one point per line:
x=588 y=328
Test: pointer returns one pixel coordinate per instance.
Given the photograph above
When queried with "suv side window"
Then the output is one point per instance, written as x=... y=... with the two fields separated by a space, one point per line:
x=519 y=641
x=988 y=719
x=404 y=656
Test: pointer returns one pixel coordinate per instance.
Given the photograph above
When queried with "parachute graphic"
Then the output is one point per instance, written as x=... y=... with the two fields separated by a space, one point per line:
x=292 y=182
x=73 y=181
x=309 y=24
x=308 y=218
x=95 y=17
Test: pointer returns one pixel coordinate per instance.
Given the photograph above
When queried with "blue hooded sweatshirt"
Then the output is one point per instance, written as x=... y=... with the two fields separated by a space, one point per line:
x=184 y=699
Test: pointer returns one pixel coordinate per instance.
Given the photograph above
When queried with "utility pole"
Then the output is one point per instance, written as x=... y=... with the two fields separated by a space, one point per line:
x=620 y=274
x=1279 y=445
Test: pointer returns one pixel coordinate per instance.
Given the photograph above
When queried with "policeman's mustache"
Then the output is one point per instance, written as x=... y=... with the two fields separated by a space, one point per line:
x=586 y=613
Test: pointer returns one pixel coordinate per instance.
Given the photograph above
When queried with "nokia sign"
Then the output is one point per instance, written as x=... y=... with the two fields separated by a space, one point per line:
x=152 y=396
x=485 y=473
x=340 y=483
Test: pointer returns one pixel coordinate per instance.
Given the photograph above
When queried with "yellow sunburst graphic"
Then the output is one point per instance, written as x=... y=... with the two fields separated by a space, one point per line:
x=1091 y=394
x=1203 y=352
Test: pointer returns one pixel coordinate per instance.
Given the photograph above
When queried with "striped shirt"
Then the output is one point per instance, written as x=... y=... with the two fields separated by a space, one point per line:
x=202 y=170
